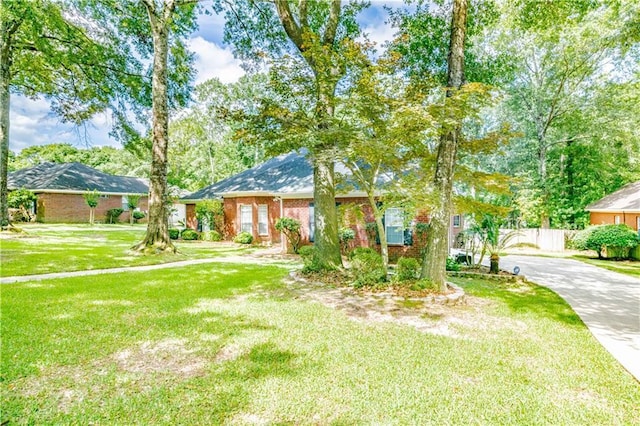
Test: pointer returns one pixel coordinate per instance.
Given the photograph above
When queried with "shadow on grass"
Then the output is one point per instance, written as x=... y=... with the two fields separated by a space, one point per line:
x=527 y=298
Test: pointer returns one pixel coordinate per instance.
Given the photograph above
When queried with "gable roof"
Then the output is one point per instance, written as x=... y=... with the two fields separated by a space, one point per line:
x=626 y=198
x=74 y=177
x=290 y=174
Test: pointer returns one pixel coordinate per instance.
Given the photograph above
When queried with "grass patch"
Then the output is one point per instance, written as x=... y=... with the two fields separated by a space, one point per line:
x=64 y=248
x=627 y=267
x=213 y=344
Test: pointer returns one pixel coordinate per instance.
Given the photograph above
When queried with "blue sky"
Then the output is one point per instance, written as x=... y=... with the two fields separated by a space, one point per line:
x=33 y=123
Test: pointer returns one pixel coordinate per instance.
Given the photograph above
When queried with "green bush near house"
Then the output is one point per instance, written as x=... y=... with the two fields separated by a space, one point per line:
x=137 y=215
x=358 y=251
x=210 y=236
x=452 y=265
x=291 y=229
x=113 y=215
x=174 y=233
x=346 y=236
x=309 y=260
x=243 y=238
x=617 y=240
x=407 y=269
x=367 y=269
x=189 y=235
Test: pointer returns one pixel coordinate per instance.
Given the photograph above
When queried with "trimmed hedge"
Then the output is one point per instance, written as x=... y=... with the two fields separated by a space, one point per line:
x=189 y=235
x=243 y=238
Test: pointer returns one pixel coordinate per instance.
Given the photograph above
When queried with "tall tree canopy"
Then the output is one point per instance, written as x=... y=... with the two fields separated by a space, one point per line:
x=308 y=45
x=46 y=50
x=154 y=30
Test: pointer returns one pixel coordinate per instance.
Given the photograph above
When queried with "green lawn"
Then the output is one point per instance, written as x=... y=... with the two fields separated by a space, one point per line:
x=64 y=248
x=228 y=343
x=628 y=267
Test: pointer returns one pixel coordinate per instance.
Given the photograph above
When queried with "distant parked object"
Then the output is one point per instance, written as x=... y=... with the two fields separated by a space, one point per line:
x=622 y=206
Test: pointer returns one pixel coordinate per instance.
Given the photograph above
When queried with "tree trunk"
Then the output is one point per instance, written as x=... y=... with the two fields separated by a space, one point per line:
x=6 y=31
x=325 y=215
x=157 y=238
x=494 y=262
x=326 y=78
x=435 y=261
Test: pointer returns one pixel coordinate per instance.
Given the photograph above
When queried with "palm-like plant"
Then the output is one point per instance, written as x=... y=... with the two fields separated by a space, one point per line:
x=495 y=241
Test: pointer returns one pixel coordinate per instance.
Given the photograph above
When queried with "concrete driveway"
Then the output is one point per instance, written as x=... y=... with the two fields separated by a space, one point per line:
x=607 y=302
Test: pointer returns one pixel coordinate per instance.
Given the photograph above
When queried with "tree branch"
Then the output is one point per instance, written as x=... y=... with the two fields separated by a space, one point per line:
x=288 y=22
x=332 y=24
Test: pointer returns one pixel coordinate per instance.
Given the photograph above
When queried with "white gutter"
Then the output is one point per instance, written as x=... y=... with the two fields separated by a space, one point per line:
x=76 y=192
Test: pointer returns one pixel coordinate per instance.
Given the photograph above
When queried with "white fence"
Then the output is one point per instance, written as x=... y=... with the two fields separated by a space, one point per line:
x=544 y=239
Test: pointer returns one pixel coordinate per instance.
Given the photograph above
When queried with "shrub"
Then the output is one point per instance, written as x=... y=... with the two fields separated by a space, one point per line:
x=358 y=251
x=189 y=235
x=309 y=259
x=174 y=233
x=113 y=215
x=210 y=236
x=21 y=198
x=291 y=230
x=452 y=265
x=346 y=236
x=423 y=285
x=211 y=212
x=620 y=238
x=137 y=215
x=368 y=269
x=243 y=238
x=407 y=269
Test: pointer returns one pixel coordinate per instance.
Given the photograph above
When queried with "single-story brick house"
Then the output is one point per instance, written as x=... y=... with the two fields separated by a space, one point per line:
x=283 y=187
x=60 y=188
x=622 y=206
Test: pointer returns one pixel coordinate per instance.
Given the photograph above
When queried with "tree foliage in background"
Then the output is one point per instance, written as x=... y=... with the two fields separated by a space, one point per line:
x=155 y=31
x=81 y=68
x=203 y=149
x=308 y=46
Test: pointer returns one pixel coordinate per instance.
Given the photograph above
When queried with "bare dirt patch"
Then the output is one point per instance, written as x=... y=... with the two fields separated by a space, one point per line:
x=166 y=356
x=459 y=321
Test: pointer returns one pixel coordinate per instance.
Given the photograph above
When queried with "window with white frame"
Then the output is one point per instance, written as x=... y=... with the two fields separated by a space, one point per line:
x=246 y=218
x=394 y=226
x=456 y=221
x=263 y=220
x=125 y=203
x=617 y=220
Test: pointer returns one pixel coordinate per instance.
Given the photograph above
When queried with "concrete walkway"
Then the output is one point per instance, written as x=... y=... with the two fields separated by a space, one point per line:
x=226 y=259
x=607 y=302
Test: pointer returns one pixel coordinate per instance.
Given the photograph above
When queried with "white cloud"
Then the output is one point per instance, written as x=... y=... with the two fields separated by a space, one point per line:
x=33 y=123
x=214 y=61
x=380 y=33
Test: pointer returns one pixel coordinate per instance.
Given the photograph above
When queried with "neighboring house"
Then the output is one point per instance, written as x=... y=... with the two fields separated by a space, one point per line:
x=622 y=206
x=283 y=187
x=60 y=188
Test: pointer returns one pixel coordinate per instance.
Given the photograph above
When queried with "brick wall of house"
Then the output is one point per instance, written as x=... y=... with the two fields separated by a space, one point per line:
x=299 y=209
x=630 y=219
x=191 y=222
x=232 y=208
x=72 y=208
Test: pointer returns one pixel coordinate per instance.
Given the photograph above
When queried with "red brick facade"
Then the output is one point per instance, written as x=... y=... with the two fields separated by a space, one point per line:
x=631 y=219
x=72 y=208
x=300 y=209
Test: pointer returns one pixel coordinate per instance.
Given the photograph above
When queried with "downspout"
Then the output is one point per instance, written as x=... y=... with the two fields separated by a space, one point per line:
x=283 y=244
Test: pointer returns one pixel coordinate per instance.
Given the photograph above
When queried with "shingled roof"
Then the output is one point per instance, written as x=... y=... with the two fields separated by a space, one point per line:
x=625 y=199
x=286 y=174
x=51 y=177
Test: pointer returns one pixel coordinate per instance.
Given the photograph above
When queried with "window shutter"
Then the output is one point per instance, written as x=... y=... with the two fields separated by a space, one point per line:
x=408 y=237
